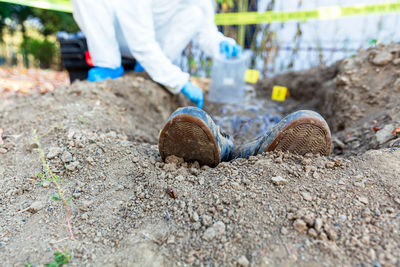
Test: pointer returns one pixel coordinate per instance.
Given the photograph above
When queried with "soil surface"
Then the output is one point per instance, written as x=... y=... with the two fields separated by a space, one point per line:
x=128 y=208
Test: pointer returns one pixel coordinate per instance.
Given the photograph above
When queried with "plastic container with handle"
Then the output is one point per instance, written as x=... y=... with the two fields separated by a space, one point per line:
x=227 y=79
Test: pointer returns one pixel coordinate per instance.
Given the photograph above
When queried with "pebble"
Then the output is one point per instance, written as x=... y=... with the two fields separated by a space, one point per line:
x=363 y=200
x=278 y=180
x=382 y=58
x=72 y=166
x=330 y=164
x=85 y=205
x=196 y=226
x=243 y=261
x=342 y=217
x=3 y=150
x=385 y=134
x=307 y=196
x=36 y=206
x=217 y=229
x=284 y=231
x=300 y=226
x=206 y=220
x=46 y=184
x=171 y=239
x=174 y=159
x=53 y=152
x=312 y=233
x=235 y=185
x=396 y=61
x=195 y=217
x=309 y=218
x=66 y=157
x=90 y=160
x=318 y=225
x=330 y=232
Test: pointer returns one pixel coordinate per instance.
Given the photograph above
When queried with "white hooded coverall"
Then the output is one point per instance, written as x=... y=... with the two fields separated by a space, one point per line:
x=154 y=32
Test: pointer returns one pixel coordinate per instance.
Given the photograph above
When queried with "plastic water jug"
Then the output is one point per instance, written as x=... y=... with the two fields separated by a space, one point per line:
x=227 y=79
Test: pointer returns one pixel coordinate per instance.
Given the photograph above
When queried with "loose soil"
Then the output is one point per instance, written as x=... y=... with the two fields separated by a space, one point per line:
x=128 y=208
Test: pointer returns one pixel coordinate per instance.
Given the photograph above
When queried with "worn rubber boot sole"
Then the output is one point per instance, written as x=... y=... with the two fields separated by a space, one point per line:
x=188 y=137
x=308 y=133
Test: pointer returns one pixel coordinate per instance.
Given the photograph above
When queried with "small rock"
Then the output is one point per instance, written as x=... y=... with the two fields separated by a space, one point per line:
x=309 y=219
x=300 y=226
x=174 y=159
x=171 y=239
x=366 y=213
x=85 y=205
x=278 y=180
x=36 y=206
x=195 y=217
x=46 y=184
x=307 y=196
x=209 y=234
x=316 y=175
x=385 y=134
x=206 y=220
x=243 y=261
x=72 y=166
x=318 y=225
x=342 y=217
x=396 y=61
x=330 y=232
x=382 y=58
x=53 y=152
x=90 y=160
x=66 y=157
x=330 y=164
x=235 y=185
x=217 y=229
x=363 y=200
x=284 y=231
x=196 y=226
x=312 y=233
x=3 y=150
x=323 y=236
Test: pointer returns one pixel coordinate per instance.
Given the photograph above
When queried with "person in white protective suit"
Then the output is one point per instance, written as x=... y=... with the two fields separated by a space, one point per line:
x=154 y=32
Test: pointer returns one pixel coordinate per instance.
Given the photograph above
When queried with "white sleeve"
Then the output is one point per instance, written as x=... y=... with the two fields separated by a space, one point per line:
x=136 y=21
x=209 y=37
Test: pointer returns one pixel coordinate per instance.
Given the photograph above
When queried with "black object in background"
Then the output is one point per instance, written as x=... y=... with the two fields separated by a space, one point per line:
x=76 y=58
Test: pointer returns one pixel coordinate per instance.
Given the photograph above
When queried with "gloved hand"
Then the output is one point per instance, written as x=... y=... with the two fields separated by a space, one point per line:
x=229 y=49
x=194 y=93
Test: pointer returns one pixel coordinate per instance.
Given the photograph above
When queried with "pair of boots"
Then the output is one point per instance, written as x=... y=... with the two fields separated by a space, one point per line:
x=191 y=134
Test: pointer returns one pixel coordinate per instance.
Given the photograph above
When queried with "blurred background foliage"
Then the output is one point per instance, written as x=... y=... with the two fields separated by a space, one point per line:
x=32 y=31
x=28 y=36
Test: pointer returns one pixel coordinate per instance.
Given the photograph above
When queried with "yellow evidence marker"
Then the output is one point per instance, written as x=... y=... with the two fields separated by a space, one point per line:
x=251 y=76
x=279 y=93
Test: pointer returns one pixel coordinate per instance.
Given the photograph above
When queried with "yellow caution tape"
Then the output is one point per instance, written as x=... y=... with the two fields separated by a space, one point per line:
x=56 y=5
x=243 y=18
x=251 y=76
x=279 y=93
x=332 y=12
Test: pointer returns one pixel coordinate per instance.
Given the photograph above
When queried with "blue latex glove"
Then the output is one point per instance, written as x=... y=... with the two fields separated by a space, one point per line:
x=230 y=50
x=98 y=74
x=138 y=67
x=194 y=93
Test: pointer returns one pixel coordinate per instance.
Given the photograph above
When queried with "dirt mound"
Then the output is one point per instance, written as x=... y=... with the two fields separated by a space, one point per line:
x=130 y=208
x=358 y=97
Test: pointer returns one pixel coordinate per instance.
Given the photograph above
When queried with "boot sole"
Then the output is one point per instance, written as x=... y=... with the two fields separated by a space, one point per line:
x=188 y=137
x=303 y=135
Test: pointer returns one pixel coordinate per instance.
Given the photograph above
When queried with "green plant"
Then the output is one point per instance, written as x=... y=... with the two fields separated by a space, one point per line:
x=59 y=259
x=44 y=51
